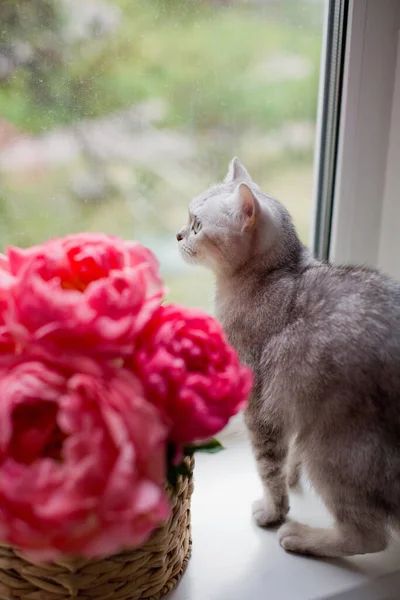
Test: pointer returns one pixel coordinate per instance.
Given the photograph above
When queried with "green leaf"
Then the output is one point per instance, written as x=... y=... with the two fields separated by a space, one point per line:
x=174 y=471
x=210 y=447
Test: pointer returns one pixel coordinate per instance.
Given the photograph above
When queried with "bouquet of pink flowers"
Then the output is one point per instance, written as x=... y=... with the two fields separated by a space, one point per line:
x=102 y=392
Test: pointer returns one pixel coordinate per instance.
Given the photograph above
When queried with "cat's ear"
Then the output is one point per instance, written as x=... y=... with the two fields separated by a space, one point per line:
x=247 y=207
x=237 y=172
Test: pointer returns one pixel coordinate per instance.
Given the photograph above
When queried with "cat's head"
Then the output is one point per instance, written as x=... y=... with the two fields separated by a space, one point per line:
x=235 y=223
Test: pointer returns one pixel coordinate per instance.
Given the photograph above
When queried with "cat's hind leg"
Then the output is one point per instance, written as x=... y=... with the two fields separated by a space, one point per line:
x=293 y=466
x=293 y=473
x=361 y=525
x=345 y=539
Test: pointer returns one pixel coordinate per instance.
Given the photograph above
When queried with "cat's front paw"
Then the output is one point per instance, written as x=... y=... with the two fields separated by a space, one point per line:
x=266 y=514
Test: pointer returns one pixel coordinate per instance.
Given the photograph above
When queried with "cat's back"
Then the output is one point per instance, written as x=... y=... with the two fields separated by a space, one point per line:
x=326 y=291
x=350 y=317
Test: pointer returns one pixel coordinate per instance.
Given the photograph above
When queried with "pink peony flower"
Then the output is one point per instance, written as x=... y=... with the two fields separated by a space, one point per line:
x=190 y=372
x=88 y=291
x=7 y=343
x=82 y=460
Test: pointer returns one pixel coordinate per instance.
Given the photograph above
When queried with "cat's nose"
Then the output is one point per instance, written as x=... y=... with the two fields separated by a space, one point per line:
x=179 y=236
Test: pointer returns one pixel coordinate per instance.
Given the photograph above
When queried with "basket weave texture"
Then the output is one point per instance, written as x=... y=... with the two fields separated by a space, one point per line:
x=146 y=573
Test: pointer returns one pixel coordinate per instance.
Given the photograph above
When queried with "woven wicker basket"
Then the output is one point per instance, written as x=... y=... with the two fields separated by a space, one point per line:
x=143 y=574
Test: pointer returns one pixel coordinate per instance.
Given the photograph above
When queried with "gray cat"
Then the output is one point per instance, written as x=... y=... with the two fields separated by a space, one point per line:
x=324 y=344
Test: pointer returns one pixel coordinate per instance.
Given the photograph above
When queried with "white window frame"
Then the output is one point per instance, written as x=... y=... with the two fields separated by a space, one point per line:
x=366 y=209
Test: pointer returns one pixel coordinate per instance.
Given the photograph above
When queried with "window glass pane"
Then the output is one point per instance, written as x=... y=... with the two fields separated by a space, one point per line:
x=114 y=113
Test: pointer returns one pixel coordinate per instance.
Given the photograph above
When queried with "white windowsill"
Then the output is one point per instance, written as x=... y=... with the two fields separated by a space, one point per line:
x=234 y=560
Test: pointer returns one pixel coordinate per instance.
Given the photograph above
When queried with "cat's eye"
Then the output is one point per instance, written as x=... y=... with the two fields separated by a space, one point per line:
x=196 y=226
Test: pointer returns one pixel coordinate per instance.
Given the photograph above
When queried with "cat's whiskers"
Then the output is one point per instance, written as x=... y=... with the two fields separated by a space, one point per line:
x=188 y=253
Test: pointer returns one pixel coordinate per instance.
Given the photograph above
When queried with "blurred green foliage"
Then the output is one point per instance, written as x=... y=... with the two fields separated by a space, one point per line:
x=200 y=58
x=217 y=67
